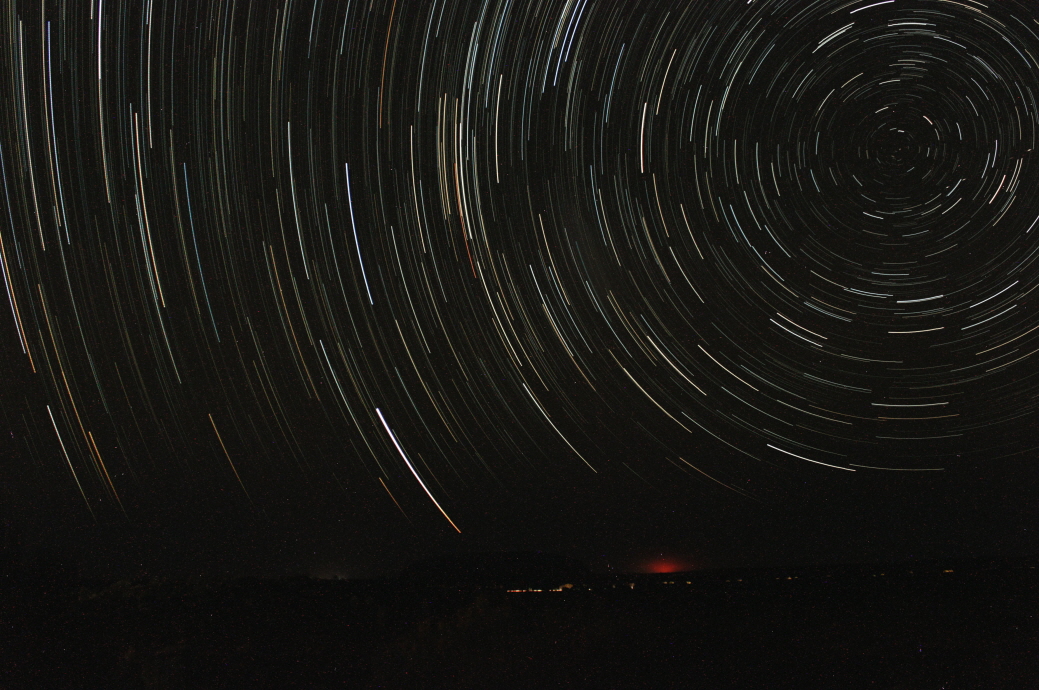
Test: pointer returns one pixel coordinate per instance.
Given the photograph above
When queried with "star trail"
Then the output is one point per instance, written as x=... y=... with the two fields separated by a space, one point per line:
x=426 y=250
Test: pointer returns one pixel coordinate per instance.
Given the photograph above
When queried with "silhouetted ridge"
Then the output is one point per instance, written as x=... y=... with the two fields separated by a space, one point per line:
x=518 y=569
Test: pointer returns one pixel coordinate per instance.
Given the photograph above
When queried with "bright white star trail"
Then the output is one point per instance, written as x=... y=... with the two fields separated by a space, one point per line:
x=734 y=247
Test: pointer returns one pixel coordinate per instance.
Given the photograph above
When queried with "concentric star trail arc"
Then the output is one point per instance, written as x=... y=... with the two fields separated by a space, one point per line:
x=779 y=238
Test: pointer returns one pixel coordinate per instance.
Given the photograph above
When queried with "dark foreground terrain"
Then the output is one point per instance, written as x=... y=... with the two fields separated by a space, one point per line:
x=941 y=626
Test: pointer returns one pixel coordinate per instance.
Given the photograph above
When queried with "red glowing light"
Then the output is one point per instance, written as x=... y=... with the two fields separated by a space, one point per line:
x=666 y=565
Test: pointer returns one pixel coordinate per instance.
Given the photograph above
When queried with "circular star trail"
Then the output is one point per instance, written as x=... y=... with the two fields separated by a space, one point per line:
x=425 y=247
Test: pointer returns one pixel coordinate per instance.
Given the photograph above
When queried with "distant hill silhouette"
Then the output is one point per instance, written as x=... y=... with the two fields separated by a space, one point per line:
x=512 y=569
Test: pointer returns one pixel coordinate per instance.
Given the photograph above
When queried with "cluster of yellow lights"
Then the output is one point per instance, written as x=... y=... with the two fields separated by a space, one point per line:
x=557 y=589
x=631 y=585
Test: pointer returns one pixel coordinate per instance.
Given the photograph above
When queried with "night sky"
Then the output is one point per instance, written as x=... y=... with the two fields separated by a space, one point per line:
x=331 y=286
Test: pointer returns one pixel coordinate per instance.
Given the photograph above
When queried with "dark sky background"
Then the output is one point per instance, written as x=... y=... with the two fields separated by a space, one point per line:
x=329 y=287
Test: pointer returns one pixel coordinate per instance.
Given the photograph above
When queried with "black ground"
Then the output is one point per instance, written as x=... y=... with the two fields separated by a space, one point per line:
x=454 y=624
